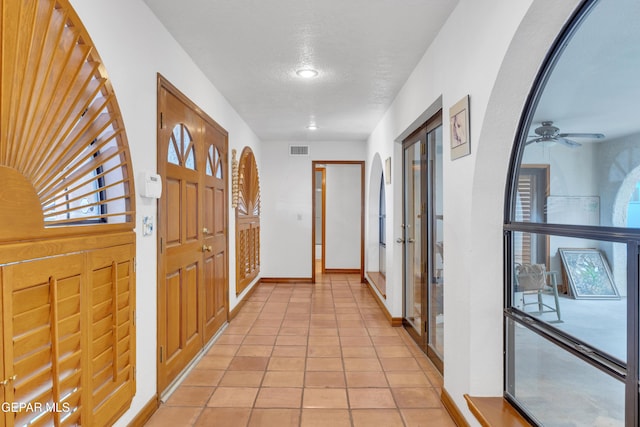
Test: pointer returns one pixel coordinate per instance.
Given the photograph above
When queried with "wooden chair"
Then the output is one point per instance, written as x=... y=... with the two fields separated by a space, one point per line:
x=532 y=279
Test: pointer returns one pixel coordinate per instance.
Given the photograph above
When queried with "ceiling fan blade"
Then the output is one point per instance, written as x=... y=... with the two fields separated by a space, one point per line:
x=582 y=135
x=568 y=142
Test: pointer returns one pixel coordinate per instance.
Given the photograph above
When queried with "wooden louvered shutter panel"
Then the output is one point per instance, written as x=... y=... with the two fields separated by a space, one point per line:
x=42 y=303
x=111 y=332
x=247 y=221
x=524 y=212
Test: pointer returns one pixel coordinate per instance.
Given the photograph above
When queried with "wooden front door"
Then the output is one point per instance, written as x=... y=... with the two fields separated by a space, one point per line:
x=215 y=232
x=192 y=265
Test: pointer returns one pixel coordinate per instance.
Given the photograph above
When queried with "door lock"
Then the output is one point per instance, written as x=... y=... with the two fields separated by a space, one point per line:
x=205 y=230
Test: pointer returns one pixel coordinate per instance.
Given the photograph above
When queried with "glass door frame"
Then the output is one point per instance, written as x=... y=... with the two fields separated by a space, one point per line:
x=427 y=221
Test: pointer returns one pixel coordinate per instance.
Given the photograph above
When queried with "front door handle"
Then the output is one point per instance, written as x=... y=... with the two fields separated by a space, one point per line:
x=206 y=248
x=399 y=240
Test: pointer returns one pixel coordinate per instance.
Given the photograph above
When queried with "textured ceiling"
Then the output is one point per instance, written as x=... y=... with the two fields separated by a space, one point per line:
x=364 y=50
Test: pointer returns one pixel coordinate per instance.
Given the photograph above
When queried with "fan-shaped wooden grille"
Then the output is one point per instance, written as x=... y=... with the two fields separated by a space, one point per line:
x=247 y=221
x=60 y=125
x=248 y=185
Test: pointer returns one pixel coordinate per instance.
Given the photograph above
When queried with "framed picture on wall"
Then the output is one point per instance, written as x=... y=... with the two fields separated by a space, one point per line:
x=459 y=126
x=588 y=274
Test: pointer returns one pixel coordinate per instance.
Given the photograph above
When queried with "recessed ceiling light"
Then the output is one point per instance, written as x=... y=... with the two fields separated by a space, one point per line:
x=312 y=126
x=307 y=73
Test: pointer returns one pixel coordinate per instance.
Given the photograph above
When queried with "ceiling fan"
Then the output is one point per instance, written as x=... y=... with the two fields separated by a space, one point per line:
x=550 y=133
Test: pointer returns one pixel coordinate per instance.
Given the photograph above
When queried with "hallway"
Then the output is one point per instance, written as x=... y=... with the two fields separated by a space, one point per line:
x=309 y=355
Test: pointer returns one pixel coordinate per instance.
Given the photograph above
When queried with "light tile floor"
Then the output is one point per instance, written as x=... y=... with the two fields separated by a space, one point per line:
x=312 y=356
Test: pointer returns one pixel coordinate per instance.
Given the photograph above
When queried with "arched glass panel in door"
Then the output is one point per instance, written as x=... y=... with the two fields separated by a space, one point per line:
x=572 y=271
x=181 y=150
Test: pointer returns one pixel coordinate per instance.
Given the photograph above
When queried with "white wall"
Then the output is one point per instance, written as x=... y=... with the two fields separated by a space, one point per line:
x=287 y=203
x=490 y=50
x=134 y=47
x=343 y=216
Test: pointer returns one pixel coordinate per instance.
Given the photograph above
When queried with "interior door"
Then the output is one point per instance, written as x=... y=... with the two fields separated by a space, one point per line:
x=180 y=278
x=414 y=206
x=422 y=239
x=193 y=279
x=214 y=231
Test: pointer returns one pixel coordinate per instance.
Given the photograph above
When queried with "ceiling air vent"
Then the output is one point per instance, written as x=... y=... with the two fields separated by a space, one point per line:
x=298 y=150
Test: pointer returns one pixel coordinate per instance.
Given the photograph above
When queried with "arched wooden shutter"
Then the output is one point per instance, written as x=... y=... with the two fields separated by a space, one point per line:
x=60 y=127
x=67 y=245
x=247 y=221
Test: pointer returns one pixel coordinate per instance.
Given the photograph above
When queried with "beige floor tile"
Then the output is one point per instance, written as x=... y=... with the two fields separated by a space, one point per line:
x=361 y=364
x=301 y=355
x=204 y=377
x=271 y=315
x=325 y=398
x=399 y=364
x=264 y=331
x=242 y=379
x=229 y=339
x=376 y=418
x=260 y=340
x=294 y=331
x=223 y=417
x=268 y=323
x=323 y=332
x=215 y=362
x=361 y=398
x=355 y=341
x=291 y=340
x=223 y=350
x=324 y=364
x=317 y=350
x=352 y=332
x=426 y=418
x=360 y=351
x=286 y=364
x=435 y=378
x=247 y=363
x=416 y=397
x=325 y=418
x=393 y=351
x=289 y=351
x=190 y=396
x=384 y=340
x=366 y=379
x=274 y=418
x=279 y=397
x=283 y=379
x=323 y=341
x=255 y=350
x=233 y=397
x=407 y=379
x=324 y=379
x=171 y=416
x=383 y=332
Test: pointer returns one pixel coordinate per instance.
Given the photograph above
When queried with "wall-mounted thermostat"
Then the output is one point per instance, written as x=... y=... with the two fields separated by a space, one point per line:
x=151 y=185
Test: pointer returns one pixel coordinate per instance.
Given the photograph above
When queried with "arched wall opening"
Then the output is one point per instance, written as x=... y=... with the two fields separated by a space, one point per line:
x=374 y=254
